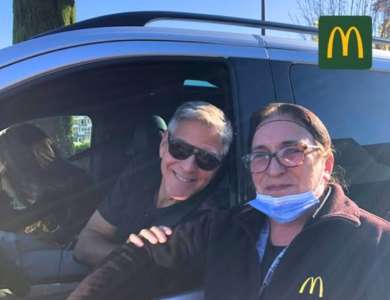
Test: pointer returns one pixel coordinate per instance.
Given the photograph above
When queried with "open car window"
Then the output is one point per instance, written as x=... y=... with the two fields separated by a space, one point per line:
x=106 y=114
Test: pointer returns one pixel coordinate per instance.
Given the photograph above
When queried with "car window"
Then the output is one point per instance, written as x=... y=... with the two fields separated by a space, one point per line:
x=105 y=119
x=353 y=106
x=81 y=131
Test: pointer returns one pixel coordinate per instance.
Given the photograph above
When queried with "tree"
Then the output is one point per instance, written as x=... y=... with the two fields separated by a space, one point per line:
x=379 y=10
x=382 y=8
x=32 y=17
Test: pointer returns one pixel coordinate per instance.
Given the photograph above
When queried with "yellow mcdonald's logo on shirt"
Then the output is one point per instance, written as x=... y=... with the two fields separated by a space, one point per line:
x=312 y=282
x=345 y=41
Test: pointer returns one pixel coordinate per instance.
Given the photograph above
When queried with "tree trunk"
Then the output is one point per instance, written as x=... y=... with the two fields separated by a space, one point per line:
x=32 y=17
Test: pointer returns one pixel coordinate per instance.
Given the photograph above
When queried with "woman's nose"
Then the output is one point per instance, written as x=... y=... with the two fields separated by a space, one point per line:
x=275 y=168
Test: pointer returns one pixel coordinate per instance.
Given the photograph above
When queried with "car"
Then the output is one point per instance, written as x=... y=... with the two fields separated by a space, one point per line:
x=110 y=75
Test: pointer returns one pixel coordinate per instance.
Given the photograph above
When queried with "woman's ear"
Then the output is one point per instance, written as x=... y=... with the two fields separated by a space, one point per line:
x=329 y=164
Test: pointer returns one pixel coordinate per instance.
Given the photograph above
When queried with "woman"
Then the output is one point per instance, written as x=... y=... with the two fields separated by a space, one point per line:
x=300 y=238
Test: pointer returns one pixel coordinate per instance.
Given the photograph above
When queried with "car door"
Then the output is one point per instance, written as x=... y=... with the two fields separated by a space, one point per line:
x=109 y=81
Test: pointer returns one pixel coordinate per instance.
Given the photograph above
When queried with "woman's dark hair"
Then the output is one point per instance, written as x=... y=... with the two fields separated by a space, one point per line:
x=299 y=114
x=302 y=116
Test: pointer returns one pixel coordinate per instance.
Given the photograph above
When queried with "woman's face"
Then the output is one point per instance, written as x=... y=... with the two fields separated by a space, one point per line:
x=278 y=180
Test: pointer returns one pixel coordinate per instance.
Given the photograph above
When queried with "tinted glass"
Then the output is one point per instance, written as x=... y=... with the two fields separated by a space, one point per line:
x=355 y=107
x=351 y=103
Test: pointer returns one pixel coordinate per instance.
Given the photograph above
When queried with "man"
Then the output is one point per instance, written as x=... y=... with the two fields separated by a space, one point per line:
x=191 y=152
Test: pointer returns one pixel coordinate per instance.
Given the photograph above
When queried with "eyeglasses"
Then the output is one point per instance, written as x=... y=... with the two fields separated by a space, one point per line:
x=289 y=157
x=180 y=150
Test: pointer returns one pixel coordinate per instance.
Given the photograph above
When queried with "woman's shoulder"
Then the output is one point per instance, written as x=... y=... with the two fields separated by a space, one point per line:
x=371 y=220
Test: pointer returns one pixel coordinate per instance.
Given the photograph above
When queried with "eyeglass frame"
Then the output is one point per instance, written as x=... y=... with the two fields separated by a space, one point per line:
x=247 y=158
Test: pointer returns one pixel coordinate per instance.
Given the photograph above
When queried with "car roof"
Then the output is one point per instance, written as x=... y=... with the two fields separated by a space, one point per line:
x=132 y=26
x=62 y=40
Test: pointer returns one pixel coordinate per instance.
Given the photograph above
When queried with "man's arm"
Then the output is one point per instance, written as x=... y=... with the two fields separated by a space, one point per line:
x=126 y=273
x=96 y=240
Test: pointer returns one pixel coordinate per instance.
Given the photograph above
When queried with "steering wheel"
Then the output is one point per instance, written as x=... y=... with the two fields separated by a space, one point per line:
x=11 y=277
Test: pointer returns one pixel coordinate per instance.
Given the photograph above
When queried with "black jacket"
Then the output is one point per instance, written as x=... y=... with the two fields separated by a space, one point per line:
x=344 y=253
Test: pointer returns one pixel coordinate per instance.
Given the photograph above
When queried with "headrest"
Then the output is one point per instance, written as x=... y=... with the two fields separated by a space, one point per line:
x=147 y=136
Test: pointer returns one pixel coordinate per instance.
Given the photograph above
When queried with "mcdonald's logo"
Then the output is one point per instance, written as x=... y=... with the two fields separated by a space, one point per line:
x=345 y=42
x=312 y=282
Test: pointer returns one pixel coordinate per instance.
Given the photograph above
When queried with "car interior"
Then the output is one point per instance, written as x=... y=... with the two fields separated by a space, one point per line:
x=129 y=103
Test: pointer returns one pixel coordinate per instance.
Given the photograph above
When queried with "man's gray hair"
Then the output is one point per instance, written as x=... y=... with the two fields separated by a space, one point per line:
x=208 y=114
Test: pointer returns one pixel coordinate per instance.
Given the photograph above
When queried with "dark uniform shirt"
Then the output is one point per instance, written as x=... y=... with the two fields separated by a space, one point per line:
x=131 y=206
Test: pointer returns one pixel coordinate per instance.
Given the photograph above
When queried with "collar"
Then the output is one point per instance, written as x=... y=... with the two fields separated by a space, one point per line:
x=337 y=206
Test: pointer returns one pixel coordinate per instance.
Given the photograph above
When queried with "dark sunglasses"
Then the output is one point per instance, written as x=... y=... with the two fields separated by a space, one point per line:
x=180 y=150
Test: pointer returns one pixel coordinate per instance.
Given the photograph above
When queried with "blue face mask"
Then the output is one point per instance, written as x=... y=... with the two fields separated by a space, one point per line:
x=284 y=209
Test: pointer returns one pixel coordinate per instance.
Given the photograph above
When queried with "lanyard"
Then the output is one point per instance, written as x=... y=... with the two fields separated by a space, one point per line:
x=261 y=246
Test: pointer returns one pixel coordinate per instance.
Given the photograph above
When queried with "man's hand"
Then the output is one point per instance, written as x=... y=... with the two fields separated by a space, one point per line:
x=155 y=235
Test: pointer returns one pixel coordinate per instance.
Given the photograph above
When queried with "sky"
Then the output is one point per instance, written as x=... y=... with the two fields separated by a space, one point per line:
x=276 y=10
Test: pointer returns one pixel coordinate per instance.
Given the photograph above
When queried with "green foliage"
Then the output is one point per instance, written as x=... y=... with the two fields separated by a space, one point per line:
x=77 y=144
x=81 y=146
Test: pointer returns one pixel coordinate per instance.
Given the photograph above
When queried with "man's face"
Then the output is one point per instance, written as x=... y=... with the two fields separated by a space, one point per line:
x=183 y=178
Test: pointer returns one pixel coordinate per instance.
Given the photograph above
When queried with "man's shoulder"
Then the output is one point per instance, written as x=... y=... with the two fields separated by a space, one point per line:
x=147 y=171
x=135 y=183
x=137 y=180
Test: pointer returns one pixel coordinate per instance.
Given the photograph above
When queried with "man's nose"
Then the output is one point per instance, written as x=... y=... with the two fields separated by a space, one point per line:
x=189 y=164
x=275 y=168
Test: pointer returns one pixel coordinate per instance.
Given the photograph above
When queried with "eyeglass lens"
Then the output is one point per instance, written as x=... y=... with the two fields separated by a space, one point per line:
x=181 y=151
x=287 y=157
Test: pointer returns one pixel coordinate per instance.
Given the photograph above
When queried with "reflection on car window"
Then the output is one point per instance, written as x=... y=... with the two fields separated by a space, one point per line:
x=353 y=105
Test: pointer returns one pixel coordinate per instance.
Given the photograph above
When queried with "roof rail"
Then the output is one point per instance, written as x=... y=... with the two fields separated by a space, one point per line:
x=141 y=18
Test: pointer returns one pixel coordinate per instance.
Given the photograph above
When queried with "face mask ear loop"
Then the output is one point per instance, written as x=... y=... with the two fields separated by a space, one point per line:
x=322 y=203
